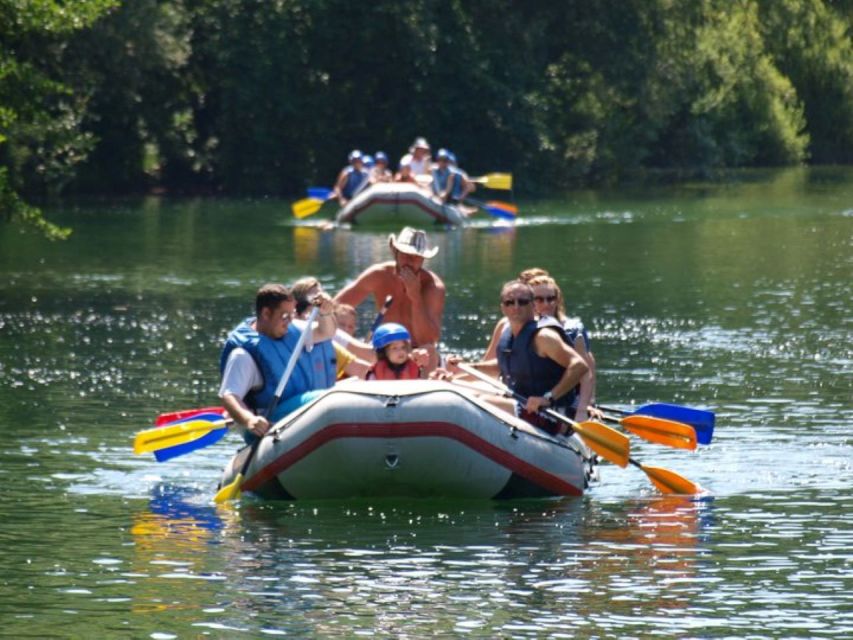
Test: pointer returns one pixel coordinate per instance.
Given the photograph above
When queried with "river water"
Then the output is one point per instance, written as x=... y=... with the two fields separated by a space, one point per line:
x=734 y=297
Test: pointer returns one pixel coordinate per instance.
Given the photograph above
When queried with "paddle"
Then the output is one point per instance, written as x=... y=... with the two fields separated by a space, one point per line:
x=665 y=480
x=232 y=490
x=380 y=316
x=495 y=181
x=702 y=421
x=306 y=207
x=496 y=208
x=178 y=416
x=606 y=442
x=658 y=430
x=179 y=433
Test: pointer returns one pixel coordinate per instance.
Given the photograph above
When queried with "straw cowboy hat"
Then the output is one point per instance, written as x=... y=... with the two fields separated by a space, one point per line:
x=412 y=241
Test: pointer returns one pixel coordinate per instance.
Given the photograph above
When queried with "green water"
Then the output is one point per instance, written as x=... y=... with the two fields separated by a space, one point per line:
x=733 y=297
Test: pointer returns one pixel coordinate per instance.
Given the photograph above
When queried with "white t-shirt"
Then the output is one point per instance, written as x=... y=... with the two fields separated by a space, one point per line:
x=342 y=338
x=241 y=374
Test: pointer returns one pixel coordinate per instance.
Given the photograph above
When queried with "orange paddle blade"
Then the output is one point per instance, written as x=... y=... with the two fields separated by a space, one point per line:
x=606 y=442
x=660 y=431
x=668 y=481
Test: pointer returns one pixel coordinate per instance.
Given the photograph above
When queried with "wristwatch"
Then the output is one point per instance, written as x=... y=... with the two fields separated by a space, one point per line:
x=549 y=396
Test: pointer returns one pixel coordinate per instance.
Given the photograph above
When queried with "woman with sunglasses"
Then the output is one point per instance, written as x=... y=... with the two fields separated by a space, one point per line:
x=534 y=359
x=548 y=302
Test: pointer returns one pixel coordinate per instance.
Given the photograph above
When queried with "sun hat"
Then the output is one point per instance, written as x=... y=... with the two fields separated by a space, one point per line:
x=413 y=242
x=420 y=143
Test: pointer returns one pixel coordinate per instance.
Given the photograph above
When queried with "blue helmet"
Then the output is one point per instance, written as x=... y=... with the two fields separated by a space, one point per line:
x=368 y=160
x=443 y=154
x=380 y=156
x=452 y=157
x=387 y=333
x=355 y=154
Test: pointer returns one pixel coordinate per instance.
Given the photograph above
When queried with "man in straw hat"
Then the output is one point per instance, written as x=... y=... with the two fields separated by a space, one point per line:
x=418 y=294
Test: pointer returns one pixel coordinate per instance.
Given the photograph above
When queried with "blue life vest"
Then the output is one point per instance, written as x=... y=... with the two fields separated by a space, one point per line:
x=526 y=372
x=355 y=179
x=456 y=190
x=324 y=364
x=439 y=180
x=272 y=357
x=238 y=337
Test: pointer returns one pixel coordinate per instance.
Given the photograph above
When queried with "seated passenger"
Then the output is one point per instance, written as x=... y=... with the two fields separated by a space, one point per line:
x=395 y=358
x=346 y=317
x=352 y=178
x=331 y=360
x=255 y=356
x=380 y=171
x=462 y=185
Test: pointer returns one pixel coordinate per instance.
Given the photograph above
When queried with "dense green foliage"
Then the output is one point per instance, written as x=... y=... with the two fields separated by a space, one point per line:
x=265 y=96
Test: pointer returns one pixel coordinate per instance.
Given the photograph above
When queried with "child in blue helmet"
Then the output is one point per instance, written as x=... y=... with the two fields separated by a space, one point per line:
x=395 y=358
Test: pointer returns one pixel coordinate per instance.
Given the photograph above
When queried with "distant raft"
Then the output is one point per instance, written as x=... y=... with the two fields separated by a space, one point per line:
x=410 y=439
x=399 y=203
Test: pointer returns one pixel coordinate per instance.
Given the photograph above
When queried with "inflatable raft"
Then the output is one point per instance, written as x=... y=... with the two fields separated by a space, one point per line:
x=399 y=203
x=414 y=439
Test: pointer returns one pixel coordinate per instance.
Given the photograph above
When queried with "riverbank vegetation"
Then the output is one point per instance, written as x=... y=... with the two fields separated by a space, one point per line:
x=248 y=97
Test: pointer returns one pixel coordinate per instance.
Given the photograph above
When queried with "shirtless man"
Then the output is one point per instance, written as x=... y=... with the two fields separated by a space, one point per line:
x=418 y=293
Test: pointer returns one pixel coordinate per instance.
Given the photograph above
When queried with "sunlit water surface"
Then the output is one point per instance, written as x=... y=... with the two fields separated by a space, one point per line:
x=731 y=297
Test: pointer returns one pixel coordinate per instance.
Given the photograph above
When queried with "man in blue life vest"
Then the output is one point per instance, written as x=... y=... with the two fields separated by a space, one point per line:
x=256 y=354
x=534 y=359
x=352 y=178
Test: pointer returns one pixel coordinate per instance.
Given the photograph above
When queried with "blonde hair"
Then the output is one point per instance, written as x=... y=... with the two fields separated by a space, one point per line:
x=533 y=272
x=548 y=281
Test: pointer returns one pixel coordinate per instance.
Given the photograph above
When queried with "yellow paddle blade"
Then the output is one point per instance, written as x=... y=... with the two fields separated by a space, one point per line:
x=306 y=207
x=670 y=482
x=230 y=491
x=606 y=442
x=164 y=437
x=495 y=180
x=660 y=431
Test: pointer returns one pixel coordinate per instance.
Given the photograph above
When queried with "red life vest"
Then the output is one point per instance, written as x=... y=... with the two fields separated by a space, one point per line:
x=382 y=370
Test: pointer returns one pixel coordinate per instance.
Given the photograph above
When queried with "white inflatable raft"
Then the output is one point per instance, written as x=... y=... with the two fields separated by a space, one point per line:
x=409 y=439
x=399 y=203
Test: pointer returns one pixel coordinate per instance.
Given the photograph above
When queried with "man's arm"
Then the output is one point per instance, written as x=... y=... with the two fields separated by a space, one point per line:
x=241 y=375
x=427 y=310
x=549 y=344
x=357 y=291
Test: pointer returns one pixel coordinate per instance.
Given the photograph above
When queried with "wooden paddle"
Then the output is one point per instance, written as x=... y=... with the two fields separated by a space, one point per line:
x=610 y=447
x=232 y=490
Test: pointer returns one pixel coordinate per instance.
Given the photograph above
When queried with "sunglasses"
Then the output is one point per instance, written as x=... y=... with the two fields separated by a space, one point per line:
x=512 y=302
x=541 y=299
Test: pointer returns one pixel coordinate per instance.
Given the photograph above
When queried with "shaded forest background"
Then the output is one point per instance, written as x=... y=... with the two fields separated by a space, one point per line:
x=250 y=97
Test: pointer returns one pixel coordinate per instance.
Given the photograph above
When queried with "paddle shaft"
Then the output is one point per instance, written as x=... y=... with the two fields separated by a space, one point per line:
x=380 y=316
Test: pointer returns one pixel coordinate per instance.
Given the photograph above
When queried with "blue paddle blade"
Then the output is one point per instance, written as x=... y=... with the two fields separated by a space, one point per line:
x=321 y=193
x=209 y=438
x=500 y=213
x=702 y=421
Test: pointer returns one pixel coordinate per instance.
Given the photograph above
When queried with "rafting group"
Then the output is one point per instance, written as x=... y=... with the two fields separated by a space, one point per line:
x=326 y=414
x=443 y=177
x=538 y=351
x=425 y=187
